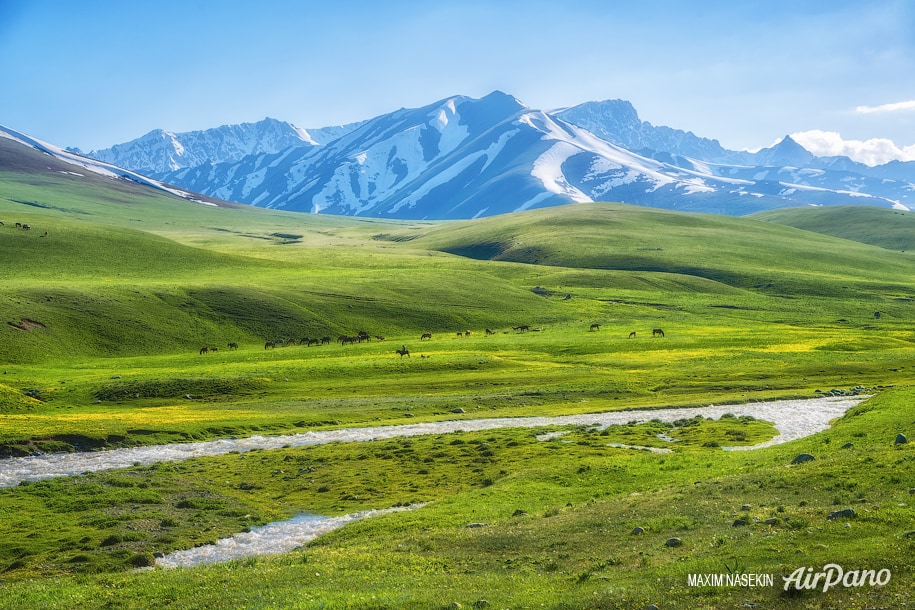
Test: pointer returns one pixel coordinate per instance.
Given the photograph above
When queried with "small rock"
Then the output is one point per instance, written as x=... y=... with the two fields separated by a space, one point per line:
x=651 y=607
x=481 y=603
x=158 y=555
x=454 y=606
x=847 y=446
x=848 y=512
x=740 y=523
x=673 y=542
x=912 y=492
x=519 y=513
x=901 y=439
x=475 y=525
x=910 y=534
x=458 y=410
x=772 y=521
x=637 y=530
x=745 y=507
x=802 y=457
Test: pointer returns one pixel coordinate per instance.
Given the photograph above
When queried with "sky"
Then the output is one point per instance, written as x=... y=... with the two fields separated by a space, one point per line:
x=837 y=75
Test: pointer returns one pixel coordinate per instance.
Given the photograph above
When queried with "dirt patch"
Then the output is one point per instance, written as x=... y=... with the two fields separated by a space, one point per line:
x=27 y=325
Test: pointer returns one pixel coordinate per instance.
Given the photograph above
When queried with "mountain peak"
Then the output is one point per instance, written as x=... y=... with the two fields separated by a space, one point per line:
x=786 y=152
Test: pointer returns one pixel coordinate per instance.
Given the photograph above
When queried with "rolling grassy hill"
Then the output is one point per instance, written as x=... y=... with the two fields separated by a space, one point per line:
x=890 y=229
x=103 y=319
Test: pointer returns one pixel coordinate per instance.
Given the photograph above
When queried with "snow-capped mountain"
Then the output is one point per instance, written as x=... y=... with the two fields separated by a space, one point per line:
x=163 y=151
x=618 y=122
x=463 y=157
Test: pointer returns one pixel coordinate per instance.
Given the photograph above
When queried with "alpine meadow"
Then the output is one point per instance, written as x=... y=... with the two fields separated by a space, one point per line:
x=136 y=319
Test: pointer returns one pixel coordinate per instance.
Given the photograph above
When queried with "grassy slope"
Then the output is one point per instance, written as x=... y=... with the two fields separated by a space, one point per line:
x=785 y=320
x=890 y=229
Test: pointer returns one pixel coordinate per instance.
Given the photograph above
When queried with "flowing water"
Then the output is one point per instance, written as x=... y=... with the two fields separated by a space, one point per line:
x=793 y=419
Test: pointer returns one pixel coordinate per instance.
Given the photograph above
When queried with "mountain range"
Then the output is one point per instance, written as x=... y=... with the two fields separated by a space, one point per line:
x=462 y=158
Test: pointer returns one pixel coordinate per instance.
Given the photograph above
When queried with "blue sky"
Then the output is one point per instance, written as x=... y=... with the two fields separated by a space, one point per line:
x=93 y=73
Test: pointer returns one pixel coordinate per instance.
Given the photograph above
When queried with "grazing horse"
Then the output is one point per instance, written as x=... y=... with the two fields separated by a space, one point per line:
x=310 y=342
x=270 y=345
x=233 y=345
x=632 y=335
x=204 y=350
x=521 y=328
x=594 y=327
x=18 y=225
x=490 y=332
x=325 y=340
x=403 y=351
x=657 y=332
x=426 y=336
x=26 y=227
x=379 y=337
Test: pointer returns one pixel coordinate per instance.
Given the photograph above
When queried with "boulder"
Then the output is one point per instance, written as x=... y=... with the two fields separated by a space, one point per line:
x=901 y=439
x=845 y=513
x=673 y=542
x=802 y=457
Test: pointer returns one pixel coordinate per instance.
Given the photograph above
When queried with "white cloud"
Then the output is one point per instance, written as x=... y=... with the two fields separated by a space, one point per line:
x=894 y=107
x=875 y=151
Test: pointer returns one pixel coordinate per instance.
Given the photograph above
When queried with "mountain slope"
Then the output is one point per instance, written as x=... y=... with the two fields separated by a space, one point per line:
x=162 y=151
x=618 y=122
x=24 y=154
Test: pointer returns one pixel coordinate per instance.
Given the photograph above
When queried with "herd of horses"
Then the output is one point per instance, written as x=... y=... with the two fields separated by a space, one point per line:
x=362 y=336
x=25 y=227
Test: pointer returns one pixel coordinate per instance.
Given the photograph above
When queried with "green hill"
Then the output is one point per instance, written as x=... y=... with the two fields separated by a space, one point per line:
x=735 y=251
x=890 y=229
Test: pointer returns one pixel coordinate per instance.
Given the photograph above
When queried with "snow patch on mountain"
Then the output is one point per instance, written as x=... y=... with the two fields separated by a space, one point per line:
x=97 y=167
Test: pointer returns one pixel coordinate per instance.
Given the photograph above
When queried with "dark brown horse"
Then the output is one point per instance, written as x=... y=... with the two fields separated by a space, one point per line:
x=233 y=345
x=632 y=335
x=657 y=332
x=426 y=336
x=594 y=327
x=204 y=350
x=270 y=345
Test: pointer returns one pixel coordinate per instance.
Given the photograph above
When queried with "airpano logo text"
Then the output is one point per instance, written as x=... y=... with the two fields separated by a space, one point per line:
x=833 y=575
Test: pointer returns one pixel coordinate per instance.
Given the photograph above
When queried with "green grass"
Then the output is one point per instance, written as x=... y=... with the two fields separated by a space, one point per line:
x=889 y=229
x=103 y=320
